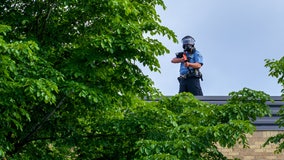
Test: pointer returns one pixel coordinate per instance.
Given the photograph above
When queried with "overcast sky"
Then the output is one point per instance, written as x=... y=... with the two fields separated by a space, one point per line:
x=234 y=37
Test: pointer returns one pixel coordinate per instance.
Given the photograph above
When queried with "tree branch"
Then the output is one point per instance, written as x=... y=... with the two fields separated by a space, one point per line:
x=26 y=138
x=45 y=118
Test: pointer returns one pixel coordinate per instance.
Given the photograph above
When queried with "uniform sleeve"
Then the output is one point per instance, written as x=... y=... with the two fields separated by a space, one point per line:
x=199 y=58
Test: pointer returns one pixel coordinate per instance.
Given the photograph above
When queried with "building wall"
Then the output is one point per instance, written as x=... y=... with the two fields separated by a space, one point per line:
x=256 y=151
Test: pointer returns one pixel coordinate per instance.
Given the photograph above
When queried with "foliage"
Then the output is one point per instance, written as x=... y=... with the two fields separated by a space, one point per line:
x=277 y=70
x=195 y=128
x=27 y=87
x=70 y=87
x=68 y=67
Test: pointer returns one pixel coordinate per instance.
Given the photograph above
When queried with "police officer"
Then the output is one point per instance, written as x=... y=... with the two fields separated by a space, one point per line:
x=190 y=62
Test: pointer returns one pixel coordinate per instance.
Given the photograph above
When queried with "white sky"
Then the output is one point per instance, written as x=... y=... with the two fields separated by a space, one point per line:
x=234 y=37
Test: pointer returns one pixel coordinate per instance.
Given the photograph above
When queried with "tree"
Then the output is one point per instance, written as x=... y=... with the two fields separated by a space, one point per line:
x=277 y=70
x=192 y=128
x=70 y=87
x=69 y=66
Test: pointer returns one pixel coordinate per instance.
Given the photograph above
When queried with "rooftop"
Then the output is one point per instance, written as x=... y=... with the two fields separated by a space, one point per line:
x=264 y=123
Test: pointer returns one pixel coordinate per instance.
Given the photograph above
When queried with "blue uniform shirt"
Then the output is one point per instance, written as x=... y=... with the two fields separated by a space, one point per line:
x=195 y=57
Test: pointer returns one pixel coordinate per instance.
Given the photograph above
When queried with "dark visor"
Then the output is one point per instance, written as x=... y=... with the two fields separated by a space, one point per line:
x=188 y=41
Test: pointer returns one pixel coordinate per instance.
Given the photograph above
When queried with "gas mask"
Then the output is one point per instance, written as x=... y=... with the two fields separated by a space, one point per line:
x=188 y=47
x=188 y=43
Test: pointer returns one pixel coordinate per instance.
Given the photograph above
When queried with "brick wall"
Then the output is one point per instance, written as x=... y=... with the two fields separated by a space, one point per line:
x=256 y=151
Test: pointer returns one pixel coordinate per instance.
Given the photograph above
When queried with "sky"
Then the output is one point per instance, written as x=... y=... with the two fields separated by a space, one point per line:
x=234 y=38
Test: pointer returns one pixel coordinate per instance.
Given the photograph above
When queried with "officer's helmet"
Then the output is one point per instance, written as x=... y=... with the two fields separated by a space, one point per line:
x=188 y=42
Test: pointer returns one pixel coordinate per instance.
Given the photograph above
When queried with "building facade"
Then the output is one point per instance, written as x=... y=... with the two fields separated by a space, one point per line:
x=265 y=128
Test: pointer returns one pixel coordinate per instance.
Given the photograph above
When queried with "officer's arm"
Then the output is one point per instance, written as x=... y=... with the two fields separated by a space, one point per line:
x=193 y=65
x=177 y=60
